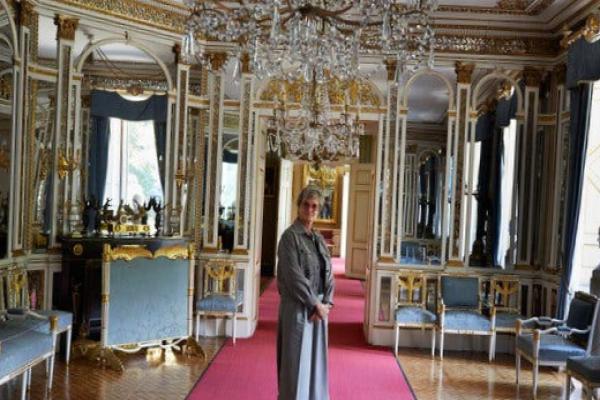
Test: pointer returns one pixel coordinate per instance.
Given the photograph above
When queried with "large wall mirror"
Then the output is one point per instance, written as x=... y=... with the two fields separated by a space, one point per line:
x=229 y=178
x=124 y=129
x=427 y=100
x=6 y=123
x=491 y=236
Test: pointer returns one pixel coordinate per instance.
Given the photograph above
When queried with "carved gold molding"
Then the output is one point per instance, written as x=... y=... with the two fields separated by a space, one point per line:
x=217 y=60
x=590 y=32
x=66 y=27
x=178 y=251
x=27 y=14
x=532 y=76
x=126 y=253
x=390 y=66
x=503 y=7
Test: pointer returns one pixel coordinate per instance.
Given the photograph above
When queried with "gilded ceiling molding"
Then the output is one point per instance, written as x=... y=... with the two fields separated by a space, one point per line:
x=464 y=72
x=498 y=45
x=590 y=32
x=135 y=11
x=66 y=26
x=503 y=7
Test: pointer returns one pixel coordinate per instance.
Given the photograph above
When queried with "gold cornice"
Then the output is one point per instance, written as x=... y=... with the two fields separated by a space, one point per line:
x=127 y=253
x=136 y=11
x=503 y=7
x=497 y=45
x=590 y=32
x=66 y=27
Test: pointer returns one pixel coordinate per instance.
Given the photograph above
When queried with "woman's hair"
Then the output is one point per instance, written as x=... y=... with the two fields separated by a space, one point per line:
x=310 y=192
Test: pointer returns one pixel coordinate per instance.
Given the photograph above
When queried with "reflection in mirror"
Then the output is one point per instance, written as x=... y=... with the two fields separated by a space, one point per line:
x=424 y=171
x=44 y=124
x=229 y=182
x=125 y=133
x=6 y=84
x=491 y=189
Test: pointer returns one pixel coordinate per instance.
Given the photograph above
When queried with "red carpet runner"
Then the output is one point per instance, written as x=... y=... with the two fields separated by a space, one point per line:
x=356 y=370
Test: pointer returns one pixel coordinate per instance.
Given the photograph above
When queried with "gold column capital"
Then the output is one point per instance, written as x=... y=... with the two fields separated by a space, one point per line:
x=66 y=27
x=390 y=66
x=245 y=59
x=464 y=72
x=27 y=14
x=217 y=60
x=532 y=76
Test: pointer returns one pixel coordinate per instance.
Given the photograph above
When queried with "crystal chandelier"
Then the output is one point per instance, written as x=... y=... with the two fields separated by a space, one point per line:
x=311 y=134
x=315 y=38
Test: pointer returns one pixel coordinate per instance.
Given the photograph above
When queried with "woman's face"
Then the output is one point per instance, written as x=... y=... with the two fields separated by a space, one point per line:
x=308 y=210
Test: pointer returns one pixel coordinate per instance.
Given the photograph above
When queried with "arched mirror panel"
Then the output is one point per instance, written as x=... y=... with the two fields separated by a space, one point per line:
x=427 y=101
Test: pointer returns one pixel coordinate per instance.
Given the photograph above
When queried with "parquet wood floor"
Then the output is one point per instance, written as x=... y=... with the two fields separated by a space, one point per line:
x=145 y=377
x=466 y=376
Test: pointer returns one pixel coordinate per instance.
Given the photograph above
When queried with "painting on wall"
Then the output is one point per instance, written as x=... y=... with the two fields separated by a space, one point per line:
x=330 y=181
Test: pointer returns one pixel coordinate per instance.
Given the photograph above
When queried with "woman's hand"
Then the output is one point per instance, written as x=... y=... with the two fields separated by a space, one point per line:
x=321 y=312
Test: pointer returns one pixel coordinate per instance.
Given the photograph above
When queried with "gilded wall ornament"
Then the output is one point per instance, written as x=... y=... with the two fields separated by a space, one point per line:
x=590 y=31
x=500 y=45
x=532 y=76
x=464 y=72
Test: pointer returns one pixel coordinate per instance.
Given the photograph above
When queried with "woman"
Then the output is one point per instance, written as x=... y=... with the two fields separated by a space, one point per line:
x=305 y=285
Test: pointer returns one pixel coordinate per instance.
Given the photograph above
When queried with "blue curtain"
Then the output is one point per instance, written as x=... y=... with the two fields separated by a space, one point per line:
x=160 y=138
x=105 y=105
x=98 y=156
x=580 y=118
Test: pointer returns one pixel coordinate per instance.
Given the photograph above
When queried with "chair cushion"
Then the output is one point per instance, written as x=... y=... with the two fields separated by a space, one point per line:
x=552 y=347
x=507 y=320
x=65 y=318
x=217 y=302
x=588 y=367
x=459 y=320
x=460 y=291
x=21 y=345
x=414 y=315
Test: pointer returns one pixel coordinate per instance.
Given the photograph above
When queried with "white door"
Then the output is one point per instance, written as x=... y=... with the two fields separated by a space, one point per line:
x=285 y=201
x=360 y=220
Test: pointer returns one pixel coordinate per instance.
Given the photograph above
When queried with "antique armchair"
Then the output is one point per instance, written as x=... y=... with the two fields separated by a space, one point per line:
x=460 y=310
x=219 y=295
x=559 y=339
x=587 y=371
x=410 y=304
x=505 y=294
x=17 y=284
x=24 y=343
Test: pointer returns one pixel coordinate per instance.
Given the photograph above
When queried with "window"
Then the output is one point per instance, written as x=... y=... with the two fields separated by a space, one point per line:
x=587 y=253
x=132 y=163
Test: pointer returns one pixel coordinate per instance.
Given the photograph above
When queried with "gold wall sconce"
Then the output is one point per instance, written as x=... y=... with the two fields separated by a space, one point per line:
x=66 y=165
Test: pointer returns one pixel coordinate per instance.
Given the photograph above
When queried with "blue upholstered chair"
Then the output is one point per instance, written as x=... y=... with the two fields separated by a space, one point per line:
x=18 y=307
x=559 y=339
x=219 y=295
x=24 y=342
x=505 y=295
x=587 y=371
x=410 y=306
x=460 y=310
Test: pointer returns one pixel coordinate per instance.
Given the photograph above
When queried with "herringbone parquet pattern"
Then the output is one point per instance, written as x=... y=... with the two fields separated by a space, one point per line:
x=169 y=377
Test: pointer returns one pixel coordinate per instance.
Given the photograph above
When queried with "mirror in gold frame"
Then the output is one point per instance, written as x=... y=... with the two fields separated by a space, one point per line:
x=329 y=179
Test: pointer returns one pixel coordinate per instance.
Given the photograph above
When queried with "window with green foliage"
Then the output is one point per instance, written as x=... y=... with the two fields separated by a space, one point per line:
x=133 y=171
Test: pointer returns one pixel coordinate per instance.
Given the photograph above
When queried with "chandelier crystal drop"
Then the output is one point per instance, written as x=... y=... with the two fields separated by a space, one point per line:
x=311 y=134
x=317 y=39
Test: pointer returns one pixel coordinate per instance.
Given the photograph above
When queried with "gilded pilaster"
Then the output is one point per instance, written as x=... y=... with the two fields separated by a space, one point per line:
x=215 y=149
x=389 y=168
x=460 y=138
x=65 y=152
x=183 y=160
x=246 y=180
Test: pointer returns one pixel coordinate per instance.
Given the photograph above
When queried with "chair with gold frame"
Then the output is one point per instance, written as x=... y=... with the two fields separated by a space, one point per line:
x=218 y=293
x=410 y=304
x=505 y=299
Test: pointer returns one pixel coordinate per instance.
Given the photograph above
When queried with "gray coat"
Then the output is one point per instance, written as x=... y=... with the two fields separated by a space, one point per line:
x=301 y=343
